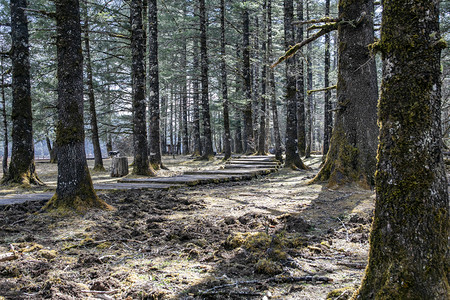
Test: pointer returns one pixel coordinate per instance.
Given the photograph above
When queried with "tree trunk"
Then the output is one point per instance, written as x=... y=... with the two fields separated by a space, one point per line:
x=98 y=160
x=327 y=122
x=226 y=117
x=74 y=187
x=5 y=122
x=352 y=154
x=408 y=257
x=272 y=96
x=141 y=165
x=301 y=118
x=154 y=130
x=207 y=137
x=51 y=150
x=196 y=100
x=309 y=84
x=249 y=143
x=119 y=166
x=255 y=62
x=262 y=138
x=293 y=159
x=184 y=106
x=22 y=169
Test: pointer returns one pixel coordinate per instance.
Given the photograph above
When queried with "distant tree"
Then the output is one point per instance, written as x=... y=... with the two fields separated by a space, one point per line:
x=301 y=117
x=408 y=257
x=98 y=160
x=154 y=132
x=293 y=159
x=226 y=116
x=271 y=86
x=197 y=145
x=141 y=164
x=262 y=138
x=208 y=151
x=74 y=186
x=249 y=143
x=328 y=119
x=22 y=169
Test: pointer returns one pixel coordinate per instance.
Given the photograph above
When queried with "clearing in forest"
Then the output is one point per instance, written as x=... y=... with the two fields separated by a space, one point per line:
x=273 y=236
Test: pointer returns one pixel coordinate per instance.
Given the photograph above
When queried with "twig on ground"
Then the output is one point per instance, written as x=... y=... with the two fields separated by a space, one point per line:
x=346 y=230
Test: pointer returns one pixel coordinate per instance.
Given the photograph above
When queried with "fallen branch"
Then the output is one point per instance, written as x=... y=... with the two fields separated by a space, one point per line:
x=8 y=256
x=99 y=292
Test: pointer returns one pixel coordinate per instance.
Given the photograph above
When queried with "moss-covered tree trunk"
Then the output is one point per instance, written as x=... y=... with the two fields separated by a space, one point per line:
x=301 y=117
x=249 y=143
x=98 y=160
x=22 y=169
x=408 y=256
x=293 y=159
x=223 y=71
x=141 y=164
x=153 y=88
x=352 y=154
x=208 y=151
x=74 y=189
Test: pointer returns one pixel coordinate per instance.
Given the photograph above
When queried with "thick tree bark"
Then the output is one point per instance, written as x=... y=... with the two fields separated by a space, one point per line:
x=272 y=96
x=74 y=187
x=408 y=257
x=98 y=160
x=196 y=99
x=154 y=130
x=223 y=70
x=141 y=165
x=301 y=118
x=249 y=143
x=352 y=154
x=293 y=159
x=5 y=122
x=309 y=85
x=262 y=138
x=207 y=136
x=328 y=120
x=22 y=169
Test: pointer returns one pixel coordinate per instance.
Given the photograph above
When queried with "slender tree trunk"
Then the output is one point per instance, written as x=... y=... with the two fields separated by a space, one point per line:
x=164 y=110
x=51 y=150
x=352 y=154
x=22 y=169
x=309 y=84
x=272 y=96
x=207 y=137
x=328 y=120
x=5 y=122
x=408 y=257
x=74 y=187
x=301 y=118
x=98 y=160
x=255 y=62
x=226 y=117
x=262 y=138
x=154 y=130
x=293 y=159
x=185 y=133
x=141 y=164
x=196 y=100
x=249 y=143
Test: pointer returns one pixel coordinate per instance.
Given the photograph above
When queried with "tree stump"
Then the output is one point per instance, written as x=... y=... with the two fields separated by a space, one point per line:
x=119 y=167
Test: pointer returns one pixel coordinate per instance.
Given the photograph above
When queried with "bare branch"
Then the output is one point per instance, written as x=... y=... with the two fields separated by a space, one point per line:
x=325 y=29
x=322 y=90
x=321 y=20
x=41 y=12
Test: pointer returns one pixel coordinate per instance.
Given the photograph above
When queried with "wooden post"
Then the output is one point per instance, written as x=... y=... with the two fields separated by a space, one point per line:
x=119 y=166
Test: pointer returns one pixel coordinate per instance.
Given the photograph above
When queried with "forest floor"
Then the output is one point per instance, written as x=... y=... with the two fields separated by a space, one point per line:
x=274 y=237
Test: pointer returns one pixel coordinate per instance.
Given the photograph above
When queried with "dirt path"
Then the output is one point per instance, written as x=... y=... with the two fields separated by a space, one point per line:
x=235 y=240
